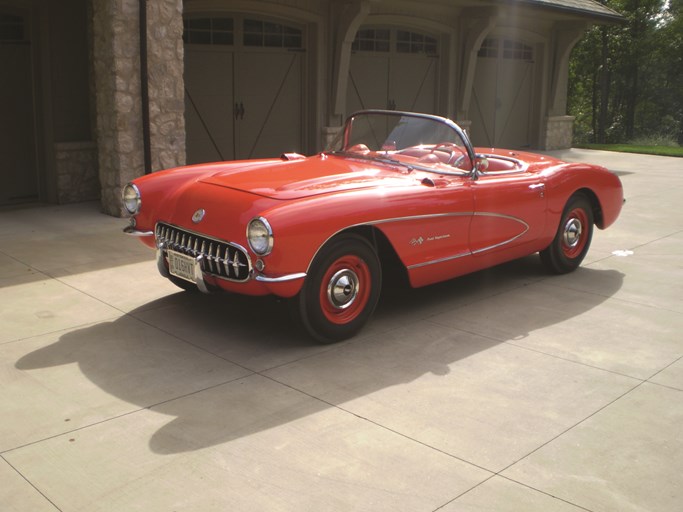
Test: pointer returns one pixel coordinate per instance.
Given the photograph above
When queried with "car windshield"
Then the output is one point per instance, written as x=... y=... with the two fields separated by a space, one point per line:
x=413 y=141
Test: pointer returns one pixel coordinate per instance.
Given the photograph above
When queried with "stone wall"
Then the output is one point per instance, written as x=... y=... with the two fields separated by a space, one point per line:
x=116 y=49
x=117 y=82
x=166 y=85
x=74 y=164
x=558 y=132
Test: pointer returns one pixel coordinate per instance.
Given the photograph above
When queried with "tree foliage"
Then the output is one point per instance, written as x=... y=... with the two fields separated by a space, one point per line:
x=626 y=81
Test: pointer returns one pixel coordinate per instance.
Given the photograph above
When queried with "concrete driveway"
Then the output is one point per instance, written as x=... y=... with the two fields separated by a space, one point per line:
x=507 y=390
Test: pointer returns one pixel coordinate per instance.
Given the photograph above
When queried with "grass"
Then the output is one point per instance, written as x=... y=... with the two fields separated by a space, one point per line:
x=632 y=148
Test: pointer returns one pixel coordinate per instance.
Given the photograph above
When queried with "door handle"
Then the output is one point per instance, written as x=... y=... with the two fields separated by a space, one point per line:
x=538 y=186
x=239 y=111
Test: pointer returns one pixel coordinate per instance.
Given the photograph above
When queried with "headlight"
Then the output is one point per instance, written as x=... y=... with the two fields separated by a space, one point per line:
x=131 y=199
x=260 y=236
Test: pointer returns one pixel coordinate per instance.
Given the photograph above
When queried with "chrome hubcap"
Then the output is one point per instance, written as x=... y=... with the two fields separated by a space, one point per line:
x=572 y=232
x=342 y=289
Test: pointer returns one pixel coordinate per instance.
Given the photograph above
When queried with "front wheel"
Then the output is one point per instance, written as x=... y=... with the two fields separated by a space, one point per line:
x=341 y=289
x=573 y=237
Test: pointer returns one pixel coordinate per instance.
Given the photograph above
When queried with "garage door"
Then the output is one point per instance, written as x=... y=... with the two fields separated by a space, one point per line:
x=395 y=69
x=18 y=171
x=243 y=88
x=502 y=96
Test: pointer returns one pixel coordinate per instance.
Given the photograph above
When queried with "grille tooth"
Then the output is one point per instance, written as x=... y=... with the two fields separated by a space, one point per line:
x=216 y=259
x=226 y=261
x=222 y=259
x=236 y=263
x=210 y=257
x=216 y=264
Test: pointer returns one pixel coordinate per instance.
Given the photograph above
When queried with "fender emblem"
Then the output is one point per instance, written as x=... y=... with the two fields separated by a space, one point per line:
x=198 y=215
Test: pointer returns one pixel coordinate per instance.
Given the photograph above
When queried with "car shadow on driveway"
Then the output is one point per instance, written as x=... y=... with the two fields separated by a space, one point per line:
x=225 y=367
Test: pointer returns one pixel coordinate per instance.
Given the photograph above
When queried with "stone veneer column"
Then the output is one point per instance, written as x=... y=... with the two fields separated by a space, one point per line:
x=559 y=131
x=165 y=58
x=116 y=58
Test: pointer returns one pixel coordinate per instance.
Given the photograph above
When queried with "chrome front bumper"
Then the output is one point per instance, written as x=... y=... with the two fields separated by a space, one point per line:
x=198 y=274
x=208 y=261
x=130 y=230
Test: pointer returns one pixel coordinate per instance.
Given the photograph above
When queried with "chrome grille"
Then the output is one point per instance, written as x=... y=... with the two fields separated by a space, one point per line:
x=222 y=259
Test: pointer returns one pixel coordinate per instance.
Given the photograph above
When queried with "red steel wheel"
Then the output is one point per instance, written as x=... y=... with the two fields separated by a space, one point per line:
x=341 y=289
x=573 y=237
x=345 y=289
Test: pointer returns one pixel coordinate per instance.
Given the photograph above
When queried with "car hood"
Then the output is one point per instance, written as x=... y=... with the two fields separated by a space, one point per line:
x=322 y=174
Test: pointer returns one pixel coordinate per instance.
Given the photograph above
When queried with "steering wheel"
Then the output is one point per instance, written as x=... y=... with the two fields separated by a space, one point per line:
x=455 y=153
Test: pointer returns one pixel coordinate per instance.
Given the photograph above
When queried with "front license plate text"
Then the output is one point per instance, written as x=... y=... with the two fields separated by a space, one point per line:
x=181 y=265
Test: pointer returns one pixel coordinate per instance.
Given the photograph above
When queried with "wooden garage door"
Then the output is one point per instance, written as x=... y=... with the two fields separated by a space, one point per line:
x=243 y=81
x=502 y=96
x=393 y=69
x=18 y=170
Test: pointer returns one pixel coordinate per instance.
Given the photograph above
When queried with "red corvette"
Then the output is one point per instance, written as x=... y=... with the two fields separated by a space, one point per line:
x=400 y=188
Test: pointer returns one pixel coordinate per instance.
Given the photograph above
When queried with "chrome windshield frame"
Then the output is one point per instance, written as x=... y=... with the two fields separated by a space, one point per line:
x=443 y=120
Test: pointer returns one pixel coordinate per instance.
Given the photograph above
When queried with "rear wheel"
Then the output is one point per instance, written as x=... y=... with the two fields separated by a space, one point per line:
x=341 y=289
x=573 y=237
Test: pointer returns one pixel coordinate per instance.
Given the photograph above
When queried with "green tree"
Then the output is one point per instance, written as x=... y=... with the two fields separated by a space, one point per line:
x=626 y=80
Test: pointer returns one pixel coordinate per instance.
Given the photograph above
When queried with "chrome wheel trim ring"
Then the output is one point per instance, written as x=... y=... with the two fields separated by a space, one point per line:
x=342 y=289
x=572 y=232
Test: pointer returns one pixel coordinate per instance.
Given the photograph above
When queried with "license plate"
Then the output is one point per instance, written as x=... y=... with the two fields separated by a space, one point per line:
x=181 y=265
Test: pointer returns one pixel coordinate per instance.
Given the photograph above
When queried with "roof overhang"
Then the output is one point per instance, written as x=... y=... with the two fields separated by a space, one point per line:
x=590 y=9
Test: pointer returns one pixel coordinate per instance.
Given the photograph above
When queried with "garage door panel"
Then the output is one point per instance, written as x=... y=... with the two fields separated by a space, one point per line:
x=515 y=101
x=17 y=141
x=368 y=82
x=244 y=88
x=270 y=91
x=393 y=68
x=483 y=107
x=209 y=109
x=502 y=97
x=413 y=83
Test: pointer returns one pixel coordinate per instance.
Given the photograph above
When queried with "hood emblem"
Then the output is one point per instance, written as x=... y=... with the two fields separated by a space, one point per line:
x=198 y=215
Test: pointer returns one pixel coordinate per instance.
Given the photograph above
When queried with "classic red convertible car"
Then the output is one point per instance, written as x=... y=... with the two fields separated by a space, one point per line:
x=397 y=187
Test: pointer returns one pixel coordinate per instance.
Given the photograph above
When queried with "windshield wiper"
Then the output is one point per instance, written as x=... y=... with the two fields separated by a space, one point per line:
x=374 y=158
x=392 y=161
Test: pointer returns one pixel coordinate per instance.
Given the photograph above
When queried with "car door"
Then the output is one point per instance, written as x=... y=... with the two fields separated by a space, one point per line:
x=509 y=212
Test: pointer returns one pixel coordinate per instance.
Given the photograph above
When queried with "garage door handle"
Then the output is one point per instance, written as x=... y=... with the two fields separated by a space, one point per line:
x=239 y=110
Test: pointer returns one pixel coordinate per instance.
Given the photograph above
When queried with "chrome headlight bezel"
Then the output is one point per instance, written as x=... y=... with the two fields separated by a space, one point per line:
x=260 y=236
x=132 y=200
